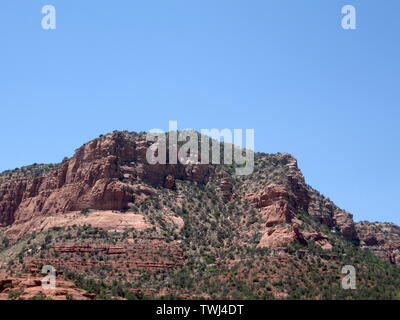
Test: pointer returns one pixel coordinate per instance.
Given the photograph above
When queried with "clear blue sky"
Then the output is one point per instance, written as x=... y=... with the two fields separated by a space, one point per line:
x=285 y=68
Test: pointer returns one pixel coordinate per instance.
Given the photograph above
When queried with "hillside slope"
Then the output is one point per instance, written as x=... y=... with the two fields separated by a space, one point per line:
x=120 y=227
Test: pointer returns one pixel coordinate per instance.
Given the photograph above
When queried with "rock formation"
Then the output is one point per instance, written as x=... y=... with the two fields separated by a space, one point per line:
x=111 y=173
x=383 y=239
x=104 y=174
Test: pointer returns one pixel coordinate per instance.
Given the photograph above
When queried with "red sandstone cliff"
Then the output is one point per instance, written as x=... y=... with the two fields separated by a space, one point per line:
x=103 y=174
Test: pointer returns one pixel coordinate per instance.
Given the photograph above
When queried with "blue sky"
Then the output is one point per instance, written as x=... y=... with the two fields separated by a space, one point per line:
x=285 y=68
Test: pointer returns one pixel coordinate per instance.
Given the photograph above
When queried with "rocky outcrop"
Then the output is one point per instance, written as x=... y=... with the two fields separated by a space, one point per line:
x=11 y=195
x=332 y=216
x=289 y=195
x=382 y=239
x=283 y=234
x=277 y=204
x=103 y=174
x=280 y=235
x=28 y=287
x=301 y=198
x=319 y=238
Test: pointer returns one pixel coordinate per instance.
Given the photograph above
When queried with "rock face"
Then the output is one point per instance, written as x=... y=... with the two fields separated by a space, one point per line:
x=281 y=201
x=277 y=204
x=382 y=239
x=332 y=216
x=319 y=238
x=95 y=177
x=280 y=235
